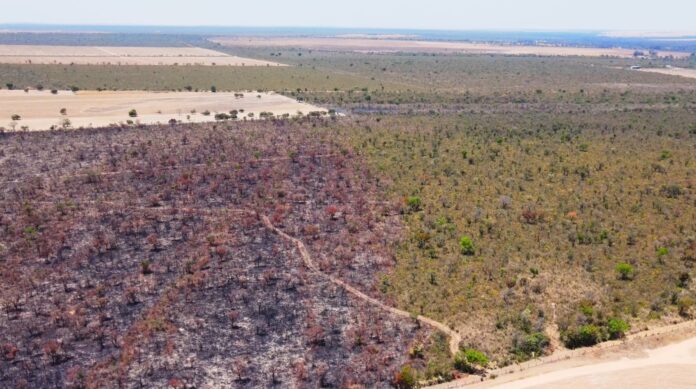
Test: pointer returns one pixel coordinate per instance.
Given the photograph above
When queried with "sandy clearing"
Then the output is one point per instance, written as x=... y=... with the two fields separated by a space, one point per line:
x=384 y=45
x=672 y=366
x=667 y=352
x=94 y=55
x=681 y=72
x=41 y=110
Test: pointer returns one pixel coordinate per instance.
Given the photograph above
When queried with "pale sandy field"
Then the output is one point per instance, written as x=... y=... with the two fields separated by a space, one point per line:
x=672 y=366
x=385 y=45
x=41 y=110
x=688 y=73
x=93 y=55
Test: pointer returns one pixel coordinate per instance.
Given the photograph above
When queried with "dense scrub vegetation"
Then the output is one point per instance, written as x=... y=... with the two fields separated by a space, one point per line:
x=517 y=223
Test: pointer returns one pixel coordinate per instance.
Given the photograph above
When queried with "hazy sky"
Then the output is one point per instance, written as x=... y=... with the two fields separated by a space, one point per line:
x=666 y=15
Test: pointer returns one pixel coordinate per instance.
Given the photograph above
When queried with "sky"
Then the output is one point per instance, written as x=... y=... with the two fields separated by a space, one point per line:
x=534 y=15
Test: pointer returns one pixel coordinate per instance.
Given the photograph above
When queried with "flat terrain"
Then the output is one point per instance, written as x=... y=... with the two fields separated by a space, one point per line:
x=664 y=357
x=94 y=55
x=688 y=73
x=386 y=46
x=41 y=110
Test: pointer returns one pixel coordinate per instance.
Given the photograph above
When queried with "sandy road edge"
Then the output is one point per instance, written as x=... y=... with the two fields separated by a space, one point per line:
x=527 y=369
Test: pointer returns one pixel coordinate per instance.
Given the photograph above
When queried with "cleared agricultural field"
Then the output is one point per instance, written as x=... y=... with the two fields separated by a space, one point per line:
x=42 y=110
x=94 y=55
x=688 y=73
x=388 y=45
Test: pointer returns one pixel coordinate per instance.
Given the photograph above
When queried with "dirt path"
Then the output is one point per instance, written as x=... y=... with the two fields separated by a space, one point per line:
x=455 y=338
x=641 y=358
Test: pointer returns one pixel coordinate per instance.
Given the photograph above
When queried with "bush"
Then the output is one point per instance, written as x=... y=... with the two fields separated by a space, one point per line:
x=16 y=117
x=617 y=328
x=672 y=191
x=133 y=113
x=470 y=360
x=625 y=271
x=684 y=305
x=467 y=245
x=532 y=345
x=583 y=336
x=414 y=203
x=405 y=379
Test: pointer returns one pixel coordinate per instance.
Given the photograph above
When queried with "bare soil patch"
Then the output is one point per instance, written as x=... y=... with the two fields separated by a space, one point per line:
x=681 y=72
x=42 y=110
x=94 y=55
x=388 y=45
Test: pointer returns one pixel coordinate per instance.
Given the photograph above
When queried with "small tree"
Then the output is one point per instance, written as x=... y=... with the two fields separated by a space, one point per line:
x=213 y=89
x=133 y=113
x=63 y=111
x=625 y=271
x=467 y=245
x=16 y=117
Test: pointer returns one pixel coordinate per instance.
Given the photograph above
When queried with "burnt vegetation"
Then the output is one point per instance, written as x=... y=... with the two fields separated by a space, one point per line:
x=138 y=256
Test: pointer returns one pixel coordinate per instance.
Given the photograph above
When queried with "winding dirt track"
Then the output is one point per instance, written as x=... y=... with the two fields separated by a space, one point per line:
x=455 y=338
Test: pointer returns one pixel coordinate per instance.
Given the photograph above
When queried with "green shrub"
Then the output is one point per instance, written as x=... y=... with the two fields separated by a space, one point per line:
x=467 y=245
x=133 y=113
x=625 y=271
x=583 y=336
x=617 y=328
x=530 y=346
x=414 y=203
x=470 y=360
